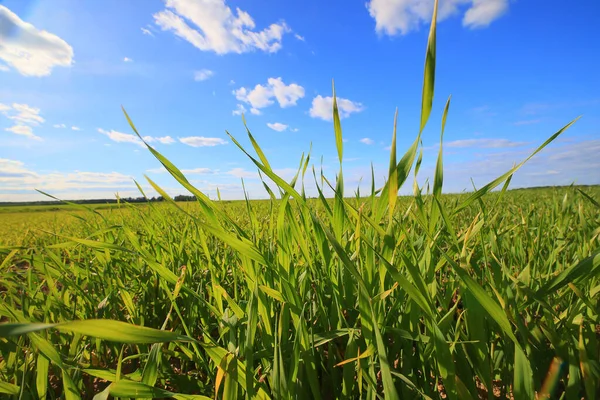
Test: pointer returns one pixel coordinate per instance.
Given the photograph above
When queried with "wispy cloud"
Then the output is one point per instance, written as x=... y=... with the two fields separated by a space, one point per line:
x=121 y=137
x=203 y=74
x=23 y=130
x=147 y=32
x=201 y=141
x=484 y=143
x=528 y=122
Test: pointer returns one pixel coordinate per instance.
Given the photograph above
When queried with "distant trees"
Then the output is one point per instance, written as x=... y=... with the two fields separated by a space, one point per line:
x=180 y=197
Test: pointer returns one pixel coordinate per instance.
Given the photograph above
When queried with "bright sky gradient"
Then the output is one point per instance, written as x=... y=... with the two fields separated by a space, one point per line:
x=186 y=69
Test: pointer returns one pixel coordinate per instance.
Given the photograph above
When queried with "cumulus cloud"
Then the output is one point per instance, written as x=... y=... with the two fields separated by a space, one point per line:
x=367 y=140
x=201 y=141
x=402 y=16
x=277 y=126
x=23 y=130
x=322 y=107
x=31 y=51
x=213 y=26
x=203 y=74
x=265 y=95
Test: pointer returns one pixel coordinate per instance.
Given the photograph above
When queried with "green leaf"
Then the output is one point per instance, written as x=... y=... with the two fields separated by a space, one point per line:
x=9 y=388
x=16 y=329
x=429 y=76
x=120 y=332
x=337 y=126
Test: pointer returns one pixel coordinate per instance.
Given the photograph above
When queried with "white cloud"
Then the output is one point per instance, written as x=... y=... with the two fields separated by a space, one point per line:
x=367 y=141
x=294 y=129
x=75 y=128
x=201 y=141
x=301 y=38
x=277 y=126
x=121 y=137
x=147 y=32
x=239 y=110
x=484 y=12
x=322 y=107
x=528 y=122
x=127 y=59
x=25 y=117
x=198 y=171
x=402 y=16
x=24 y=114
x=242 y=173
x=160 y=170
x=165 y=140
x=16 y=177
x=264 y=96
x=31 y=51
x=203 y=74
x=232 y=82
x=213 y=26
x=60 y=126
x=193 y=171
x=484 y=143
x=4 y=68
x=23 y=130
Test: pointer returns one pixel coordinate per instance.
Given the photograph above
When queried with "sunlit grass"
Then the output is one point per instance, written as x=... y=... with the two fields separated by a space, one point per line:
x=471 y=296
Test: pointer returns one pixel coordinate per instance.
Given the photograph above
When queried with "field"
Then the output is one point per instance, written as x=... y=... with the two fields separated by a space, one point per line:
x=488 y=294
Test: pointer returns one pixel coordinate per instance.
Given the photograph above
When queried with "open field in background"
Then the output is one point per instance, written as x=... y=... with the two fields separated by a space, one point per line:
x=34 y=225
x=476 y=296
x=294 y=311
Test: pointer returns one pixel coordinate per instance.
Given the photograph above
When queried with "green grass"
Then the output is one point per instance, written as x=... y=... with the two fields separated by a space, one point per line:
x=430 y=296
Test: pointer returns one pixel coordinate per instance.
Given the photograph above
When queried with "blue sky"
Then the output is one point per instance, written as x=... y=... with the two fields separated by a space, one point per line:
x=185 y=69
